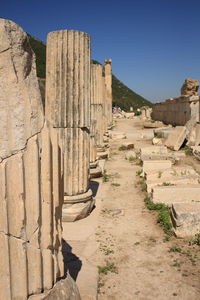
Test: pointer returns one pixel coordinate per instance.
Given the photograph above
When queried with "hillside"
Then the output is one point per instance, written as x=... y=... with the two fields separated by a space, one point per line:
x=122 y=95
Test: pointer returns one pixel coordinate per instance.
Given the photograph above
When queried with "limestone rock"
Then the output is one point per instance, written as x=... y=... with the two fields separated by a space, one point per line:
x=20 y=100
x=157 y=141
x=190 y=87
x=63 y=290
x=176 y=138
x=176 y=194
x=186 y=219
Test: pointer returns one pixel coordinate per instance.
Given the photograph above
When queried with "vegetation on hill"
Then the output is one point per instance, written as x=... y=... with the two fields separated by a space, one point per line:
x=122 y=95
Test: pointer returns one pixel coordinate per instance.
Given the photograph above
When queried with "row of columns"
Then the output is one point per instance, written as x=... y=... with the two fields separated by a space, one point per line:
x=79 y=104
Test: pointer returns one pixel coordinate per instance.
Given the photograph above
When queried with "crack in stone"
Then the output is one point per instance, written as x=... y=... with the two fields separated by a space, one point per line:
x=5 y=50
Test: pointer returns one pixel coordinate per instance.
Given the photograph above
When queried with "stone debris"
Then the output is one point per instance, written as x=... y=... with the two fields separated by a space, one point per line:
x=176 y=138
x=128 y=145
x=186 y=219
x=196 y=151
x=190 y=87
x=157 y=141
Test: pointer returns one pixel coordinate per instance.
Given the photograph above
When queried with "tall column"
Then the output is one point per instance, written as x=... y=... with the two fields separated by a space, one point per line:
x=108 y=84
x=68 y=108
x=97 y=108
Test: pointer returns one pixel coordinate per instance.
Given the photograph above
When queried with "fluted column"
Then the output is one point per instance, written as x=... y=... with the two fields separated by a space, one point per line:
x=108 y=85
x=68 y=108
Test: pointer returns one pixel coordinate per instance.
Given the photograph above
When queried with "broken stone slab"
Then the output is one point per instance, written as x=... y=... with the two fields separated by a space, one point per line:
x=186 y=219
x=176 y=138
x=174 y=180
x=162 y=132
x=154 y=150
x=156 y=165
x=196 y=151
x=65 y=289
x=174 y=157
x=174 y=172
x=176 y=194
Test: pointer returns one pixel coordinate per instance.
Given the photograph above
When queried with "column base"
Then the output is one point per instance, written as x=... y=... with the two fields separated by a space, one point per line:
x=95 y=172
x=77 y=207
x=93 y=164
x=102 y=155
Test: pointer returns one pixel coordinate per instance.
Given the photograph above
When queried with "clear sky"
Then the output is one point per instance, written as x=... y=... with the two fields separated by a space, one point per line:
x=154 y=44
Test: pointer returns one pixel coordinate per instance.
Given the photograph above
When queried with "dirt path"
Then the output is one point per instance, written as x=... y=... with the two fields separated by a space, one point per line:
x=134 y=260
x=133 y=253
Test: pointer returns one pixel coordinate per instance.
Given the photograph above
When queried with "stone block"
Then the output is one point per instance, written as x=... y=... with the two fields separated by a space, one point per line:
x=154 y=150
x=162 y=132
x=156 y=165
x=155 y=124
x=173 y=180
x=186 y=219
x=174 y=172
x=176 y=194
x=196 y=152
x=176 y=138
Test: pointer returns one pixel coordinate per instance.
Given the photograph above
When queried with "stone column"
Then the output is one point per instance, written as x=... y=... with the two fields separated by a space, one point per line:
x=97 y=108
x=30 y=187
x=68 y=109
x=108 y=84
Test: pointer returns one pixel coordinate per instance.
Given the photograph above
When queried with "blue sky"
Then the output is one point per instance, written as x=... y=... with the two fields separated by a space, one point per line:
x=154 y=44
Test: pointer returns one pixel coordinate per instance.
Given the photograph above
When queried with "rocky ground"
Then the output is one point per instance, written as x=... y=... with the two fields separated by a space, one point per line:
x=121 y=250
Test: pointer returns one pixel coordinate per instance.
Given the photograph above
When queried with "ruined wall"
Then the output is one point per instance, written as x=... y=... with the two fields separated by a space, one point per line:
x=30 y=176
x=176 y=111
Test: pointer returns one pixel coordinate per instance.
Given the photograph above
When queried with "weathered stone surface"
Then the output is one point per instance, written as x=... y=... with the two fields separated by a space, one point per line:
x=176 y=138
x=186 y=219
x=95 y=172
x=77 y=207
x=156 y=165
x=20 y=100
x=5 y=287
x=174 y=172
x=65 y=289
x=154 y=150
x=190 y=87
x=157 y=141
x=176 y=194
x=68 y=79
x=173 y=180
x=196 y=151
x=162 y=132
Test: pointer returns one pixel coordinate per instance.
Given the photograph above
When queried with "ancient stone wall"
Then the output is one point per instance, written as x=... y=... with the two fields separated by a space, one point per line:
x=177 y=111
x=31 y=190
